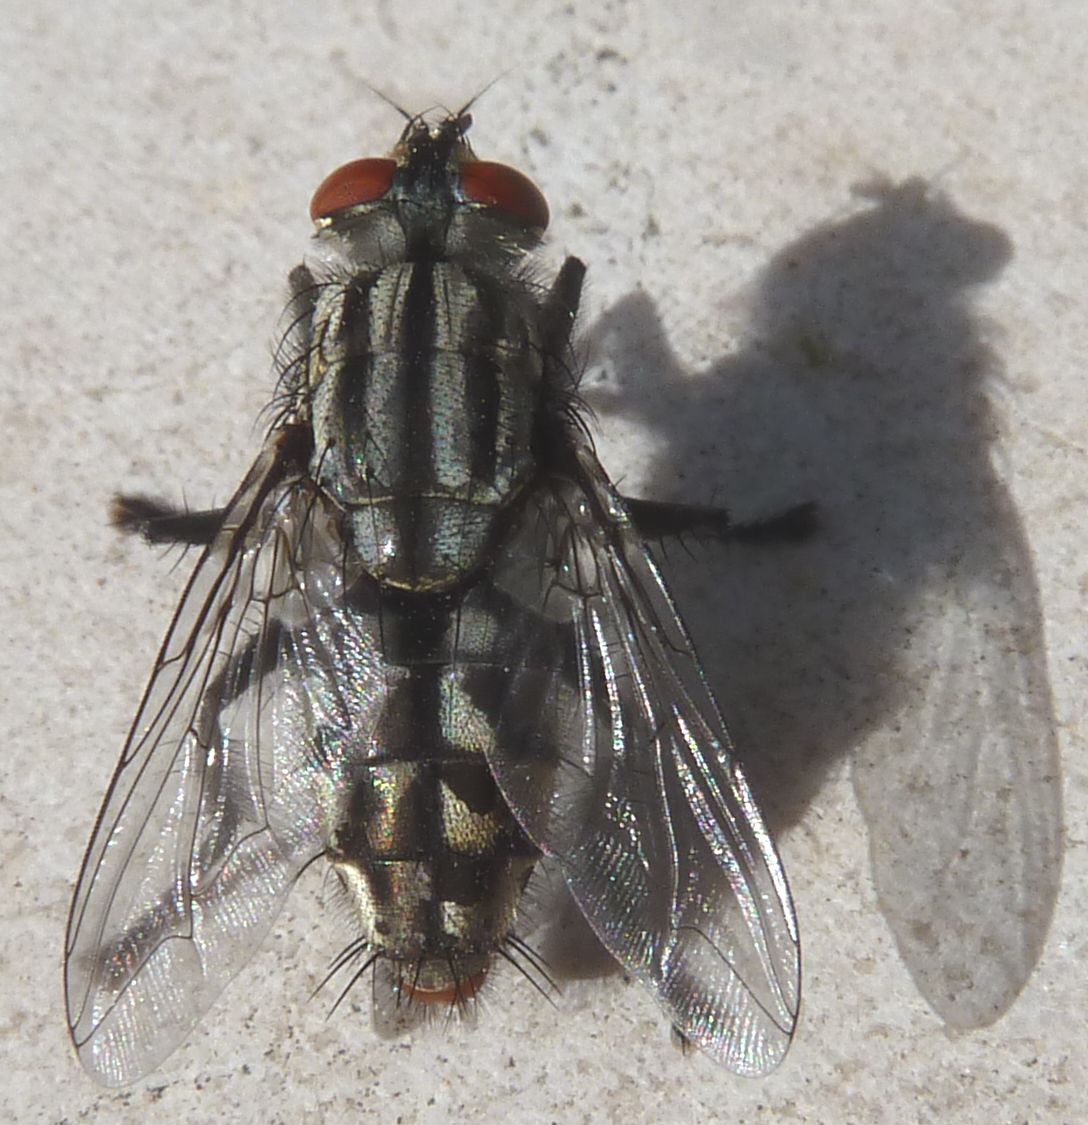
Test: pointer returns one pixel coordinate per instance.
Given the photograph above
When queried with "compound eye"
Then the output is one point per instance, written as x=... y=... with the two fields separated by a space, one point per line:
x=361 y=181
x=505 y=188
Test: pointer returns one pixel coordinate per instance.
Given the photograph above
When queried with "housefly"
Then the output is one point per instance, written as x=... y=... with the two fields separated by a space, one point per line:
x=425 y=641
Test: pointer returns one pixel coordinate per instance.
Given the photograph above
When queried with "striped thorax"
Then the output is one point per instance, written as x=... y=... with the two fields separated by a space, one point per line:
x=425 y=374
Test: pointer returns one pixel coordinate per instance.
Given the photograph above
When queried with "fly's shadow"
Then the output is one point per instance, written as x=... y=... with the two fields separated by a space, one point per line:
x=907 y=632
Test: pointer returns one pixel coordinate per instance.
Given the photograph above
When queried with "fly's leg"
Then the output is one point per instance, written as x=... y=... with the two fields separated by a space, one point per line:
x=157 y=522
x=655 y=519
x=794 y=525
x=560 y=309
x=160 y=523
x=554 y=436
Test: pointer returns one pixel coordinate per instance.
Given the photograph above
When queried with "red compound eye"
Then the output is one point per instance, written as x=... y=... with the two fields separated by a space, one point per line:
x=361 y=181
x=497 y=185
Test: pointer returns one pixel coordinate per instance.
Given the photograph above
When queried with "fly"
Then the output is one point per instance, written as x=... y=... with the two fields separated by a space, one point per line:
x=425 y=641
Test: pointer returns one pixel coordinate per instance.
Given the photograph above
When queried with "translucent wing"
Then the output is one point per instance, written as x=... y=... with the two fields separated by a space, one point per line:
x=611 y=751
x=225 y=786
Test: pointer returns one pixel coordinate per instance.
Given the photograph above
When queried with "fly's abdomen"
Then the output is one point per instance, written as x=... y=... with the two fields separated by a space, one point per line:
x=425 y=844
x=426 y=381
x=427 y=848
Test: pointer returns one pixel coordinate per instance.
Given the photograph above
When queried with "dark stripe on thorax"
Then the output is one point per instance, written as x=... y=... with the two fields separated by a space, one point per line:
x=483 y=377
x=417 y=346
x=358 y=360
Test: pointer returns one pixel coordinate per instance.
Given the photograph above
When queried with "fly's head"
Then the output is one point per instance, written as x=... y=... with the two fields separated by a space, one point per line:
x=433 y=196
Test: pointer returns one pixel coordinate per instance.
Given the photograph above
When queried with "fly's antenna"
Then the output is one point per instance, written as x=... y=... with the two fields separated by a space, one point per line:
x=463 y=111
x=409 y=117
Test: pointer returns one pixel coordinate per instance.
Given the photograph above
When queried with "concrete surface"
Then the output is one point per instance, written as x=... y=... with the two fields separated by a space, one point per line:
x=836 y=251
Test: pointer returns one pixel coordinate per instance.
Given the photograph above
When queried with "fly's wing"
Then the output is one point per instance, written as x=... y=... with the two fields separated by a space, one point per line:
x=611 y=752
x=221 y=793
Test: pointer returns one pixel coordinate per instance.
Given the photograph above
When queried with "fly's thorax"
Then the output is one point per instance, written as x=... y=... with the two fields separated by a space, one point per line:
x=425 y=379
